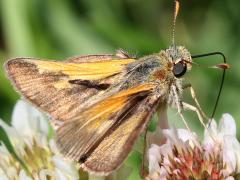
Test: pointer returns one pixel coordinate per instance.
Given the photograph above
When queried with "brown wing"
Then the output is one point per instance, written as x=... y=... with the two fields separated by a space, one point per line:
x=101 y=137
x=64 y=88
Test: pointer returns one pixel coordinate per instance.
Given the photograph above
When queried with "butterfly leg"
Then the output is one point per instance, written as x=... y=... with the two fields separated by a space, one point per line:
x=190 y=107
x=123 y=54
x=143 y=170
x=184 y=121
x=194 y=97
x=185 y=106
x=179 y=105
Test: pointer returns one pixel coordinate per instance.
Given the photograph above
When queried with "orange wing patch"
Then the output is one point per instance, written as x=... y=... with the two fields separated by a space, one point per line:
x=88 y=71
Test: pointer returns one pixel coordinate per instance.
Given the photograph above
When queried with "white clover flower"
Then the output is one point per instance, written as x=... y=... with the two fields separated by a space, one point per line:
x=29 y=135
x=184 y=156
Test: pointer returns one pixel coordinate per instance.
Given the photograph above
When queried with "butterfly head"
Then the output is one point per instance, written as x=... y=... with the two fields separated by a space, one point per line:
x=181 y=59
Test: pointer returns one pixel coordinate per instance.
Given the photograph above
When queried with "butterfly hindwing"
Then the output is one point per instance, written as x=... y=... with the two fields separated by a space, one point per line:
x=113 y=150
x=101 y=137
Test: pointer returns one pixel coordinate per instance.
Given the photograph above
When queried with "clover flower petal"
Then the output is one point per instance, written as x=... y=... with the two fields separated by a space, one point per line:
x=29 y=137
x=184 y=156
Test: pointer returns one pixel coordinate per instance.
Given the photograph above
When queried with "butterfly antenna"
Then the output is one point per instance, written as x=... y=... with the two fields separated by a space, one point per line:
x=176 y=10
x=222 y=66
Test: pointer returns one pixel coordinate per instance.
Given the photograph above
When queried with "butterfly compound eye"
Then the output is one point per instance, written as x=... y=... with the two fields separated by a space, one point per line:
x=179 y=69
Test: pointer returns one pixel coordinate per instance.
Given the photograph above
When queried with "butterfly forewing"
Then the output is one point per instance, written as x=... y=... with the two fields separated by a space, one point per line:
x=63 y=88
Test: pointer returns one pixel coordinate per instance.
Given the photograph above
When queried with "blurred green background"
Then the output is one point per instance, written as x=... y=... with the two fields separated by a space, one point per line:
x=57 y=29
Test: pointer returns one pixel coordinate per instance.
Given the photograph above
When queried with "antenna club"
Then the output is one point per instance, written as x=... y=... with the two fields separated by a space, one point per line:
x=176 y=11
